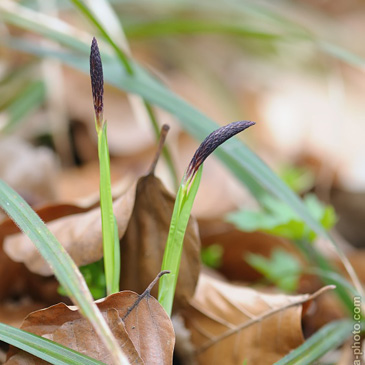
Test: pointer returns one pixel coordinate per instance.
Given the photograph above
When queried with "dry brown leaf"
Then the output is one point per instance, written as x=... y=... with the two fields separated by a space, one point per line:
x=237 y=244
x=72 y=204
x=15 y=278
x=29 y=170
x=139 y=323
x=15 y=271
x=143 y=244
x=13 y=313
x=80 y=234
x=47 y=212
x=17 y=282
x=230 y=324
x=81 y=184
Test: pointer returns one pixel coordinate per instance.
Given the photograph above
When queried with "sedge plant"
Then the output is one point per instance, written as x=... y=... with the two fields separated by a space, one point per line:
x=111 y=247
x=182 y=208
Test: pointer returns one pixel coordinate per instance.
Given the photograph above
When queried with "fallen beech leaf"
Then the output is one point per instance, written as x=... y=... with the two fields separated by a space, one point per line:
x=13 y=270
x=143 y=244
x=51 y=211
x=237 y=244
x=13 y=313
x=231 y=324
x=80 y=234
x=139 y=323
x=29 y=170
x=24 y=283
x=47 y=213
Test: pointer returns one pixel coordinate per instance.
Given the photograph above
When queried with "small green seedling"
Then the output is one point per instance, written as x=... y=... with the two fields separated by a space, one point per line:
x=182 y=208
x=212 y=255
x=278 y=219
x=282 y=269
x=109 y=228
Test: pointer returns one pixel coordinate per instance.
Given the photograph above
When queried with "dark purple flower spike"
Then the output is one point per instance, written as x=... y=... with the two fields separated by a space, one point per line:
x=97 y=81
x=214 y=140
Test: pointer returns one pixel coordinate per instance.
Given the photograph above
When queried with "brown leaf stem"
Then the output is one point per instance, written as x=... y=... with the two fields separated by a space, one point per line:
x=147 y=292
x=163 y=134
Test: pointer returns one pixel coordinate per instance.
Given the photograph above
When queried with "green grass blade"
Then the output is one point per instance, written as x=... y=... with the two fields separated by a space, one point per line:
x=61 y=263
x=121 y=55
x=107 y=215
x=342 y=54
x=325 y=266
x=327 y=338
x=43 y=348
x=116 y=273
x=192 y=26
x=333 y=278
x=29 y=99
x=172 y=255
x=33 y=21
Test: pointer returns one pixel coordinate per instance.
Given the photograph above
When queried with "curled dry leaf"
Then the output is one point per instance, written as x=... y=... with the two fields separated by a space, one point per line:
x=143 y=244
x=231 y=324
x=80 y=234
x=139 y=323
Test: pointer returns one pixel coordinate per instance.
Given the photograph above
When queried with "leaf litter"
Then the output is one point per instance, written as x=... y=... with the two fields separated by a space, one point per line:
x=139 y=323
x=80 y=234
x=230 y=324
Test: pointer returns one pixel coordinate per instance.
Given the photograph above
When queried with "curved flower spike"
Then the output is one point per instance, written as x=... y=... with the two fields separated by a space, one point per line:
x=214 y=140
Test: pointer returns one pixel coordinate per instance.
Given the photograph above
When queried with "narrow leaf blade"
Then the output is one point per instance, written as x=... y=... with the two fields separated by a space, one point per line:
x=327 y=338
x=43 y=348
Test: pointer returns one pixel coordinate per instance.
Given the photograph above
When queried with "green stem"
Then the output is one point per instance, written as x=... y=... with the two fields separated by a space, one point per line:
x=128 y=67
x=174 y=245
x=107 y=215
